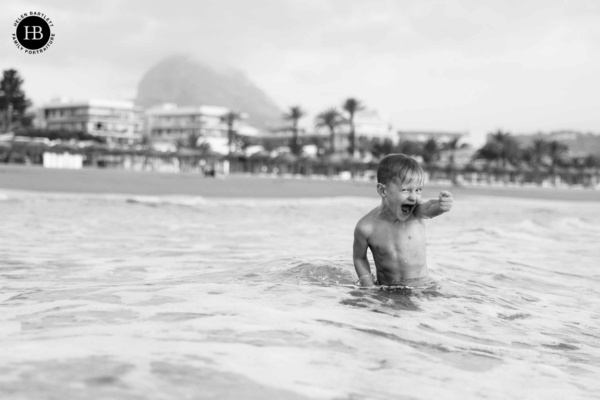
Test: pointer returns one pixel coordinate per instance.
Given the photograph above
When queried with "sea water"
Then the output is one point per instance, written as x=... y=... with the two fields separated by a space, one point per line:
x=130 y=297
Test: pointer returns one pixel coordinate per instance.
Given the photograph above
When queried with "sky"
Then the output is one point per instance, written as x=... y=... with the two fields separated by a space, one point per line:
x=453 y=65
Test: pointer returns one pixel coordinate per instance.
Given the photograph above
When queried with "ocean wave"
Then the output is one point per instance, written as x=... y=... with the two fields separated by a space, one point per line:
x=188 y=201
x=302 y=272
x=315 y=201
x=574 y=223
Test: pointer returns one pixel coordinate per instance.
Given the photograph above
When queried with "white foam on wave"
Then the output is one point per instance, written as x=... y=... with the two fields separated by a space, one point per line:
x=190 y=201
x=181 y=200
x=300 y=201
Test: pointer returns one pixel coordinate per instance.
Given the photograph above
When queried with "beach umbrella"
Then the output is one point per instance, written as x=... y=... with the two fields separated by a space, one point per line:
x=64 y=148
x=308 y=159
x=209 y=153
x=285 y=158
x=154 y=153
x=138 y=151
x=261 y=155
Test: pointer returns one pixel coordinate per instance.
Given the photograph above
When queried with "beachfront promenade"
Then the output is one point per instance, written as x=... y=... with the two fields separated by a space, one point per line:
x=111 y=181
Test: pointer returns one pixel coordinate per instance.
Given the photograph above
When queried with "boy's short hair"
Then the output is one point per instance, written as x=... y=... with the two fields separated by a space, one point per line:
x=406 y=168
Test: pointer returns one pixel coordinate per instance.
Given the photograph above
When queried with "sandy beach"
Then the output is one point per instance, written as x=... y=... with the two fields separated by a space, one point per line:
x=34 y=178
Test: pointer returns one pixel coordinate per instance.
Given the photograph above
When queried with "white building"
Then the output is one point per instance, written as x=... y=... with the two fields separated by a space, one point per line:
x=118 y=121
x=167 y=124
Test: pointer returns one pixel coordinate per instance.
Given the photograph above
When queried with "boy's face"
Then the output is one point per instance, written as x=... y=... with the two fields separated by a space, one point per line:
x=401 y=198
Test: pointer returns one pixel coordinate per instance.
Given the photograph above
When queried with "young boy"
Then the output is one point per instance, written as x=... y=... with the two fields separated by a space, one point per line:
x=395 y=230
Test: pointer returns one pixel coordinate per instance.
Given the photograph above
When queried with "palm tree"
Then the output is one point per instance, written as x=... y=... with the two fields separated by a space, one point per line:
x=537 y=151
x=294 y=115
x=489 y=152
x=410 y=147
x=557 y=152
x=381 y=148
x=352 y=106
x=329 y=118
x=452 y=146
x=430 y=150
x=230 y=119
x=592 y=160
x=508 y=148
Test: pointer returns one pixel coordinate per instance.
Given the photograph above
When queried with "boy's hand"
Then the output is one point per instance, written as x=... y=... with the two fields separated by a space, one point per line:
x=366 y=280
x=445 y=201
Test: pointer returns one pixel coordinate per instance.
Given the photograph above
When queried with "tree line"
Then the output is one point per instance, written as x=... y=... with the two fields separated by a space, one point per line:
x=331 y=119
x=505 y=151
x=501 y=150
x=13 y=102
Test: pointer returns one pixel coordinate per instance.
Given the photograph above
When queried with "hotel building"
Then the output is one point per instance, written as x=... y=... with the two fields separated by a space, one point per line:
x=117 y=121
x=167 y=124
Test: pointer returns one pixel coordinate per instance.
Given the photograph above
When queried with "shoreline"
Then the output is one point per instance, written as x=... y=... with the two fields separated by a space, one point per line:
x=107 y=181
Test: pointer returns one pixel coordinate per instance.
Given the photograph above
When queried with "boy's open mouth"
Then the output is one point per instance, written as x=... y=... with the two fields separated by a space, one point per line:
x=407 y=208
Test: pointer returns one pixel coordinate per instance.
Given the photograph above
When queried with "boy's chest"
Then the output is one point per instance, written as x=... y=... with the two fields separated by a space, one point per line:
x=392 y=238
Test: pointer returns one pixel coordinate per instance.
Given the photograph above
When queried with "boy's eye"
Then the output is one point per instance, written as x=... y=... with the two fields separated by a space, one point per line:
x=417 y=191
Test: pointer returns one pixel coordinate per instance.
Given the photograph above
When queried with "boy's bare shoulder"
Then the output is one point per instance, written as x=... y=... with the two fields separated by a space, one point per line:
x=366 y=224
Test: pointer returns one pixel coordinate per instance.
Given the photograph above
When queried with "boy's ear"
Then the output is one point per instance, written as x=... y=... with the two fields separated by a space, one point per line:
x=381 y=189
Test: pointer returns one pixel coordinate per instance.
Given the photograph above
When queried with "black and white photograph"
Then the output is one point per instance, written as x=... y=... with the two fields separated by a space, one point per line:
x=299 y=199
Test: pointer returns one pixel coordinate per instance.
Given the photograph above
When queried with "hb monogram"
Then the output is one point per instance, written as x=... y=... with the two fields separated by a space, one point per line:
x=36 y=32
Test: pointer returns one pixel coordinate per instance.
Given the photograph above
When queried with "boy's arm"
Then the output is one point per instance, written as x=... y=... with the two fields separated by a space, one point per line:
x=359 y=256
x=435 y=207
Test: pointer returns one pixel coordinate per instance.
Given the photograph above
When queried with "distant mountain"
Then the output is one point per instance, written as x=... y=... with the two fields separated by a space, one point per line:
x=188 y=82
x=580 y=144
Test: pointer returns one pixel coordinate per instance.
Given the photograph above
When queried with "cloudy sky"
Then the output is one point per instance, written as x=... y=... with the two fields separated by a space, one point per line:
x=456 y=65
